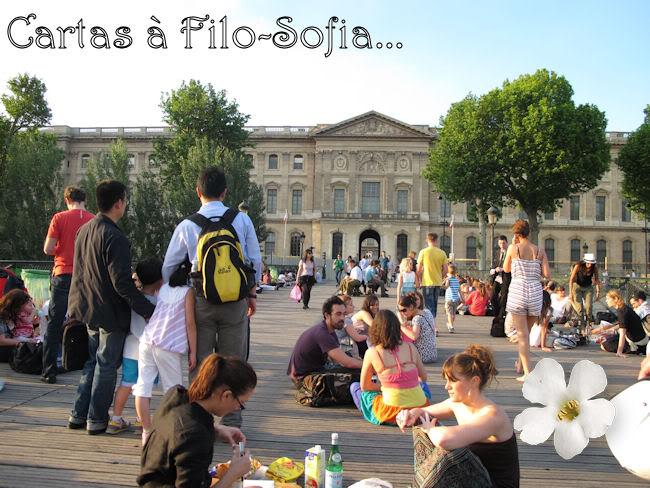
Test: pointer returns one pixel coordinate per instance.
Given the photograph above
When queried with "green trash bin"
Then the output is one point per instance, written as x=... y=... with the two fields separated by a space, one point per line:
x=274 y=273
x=37 y=282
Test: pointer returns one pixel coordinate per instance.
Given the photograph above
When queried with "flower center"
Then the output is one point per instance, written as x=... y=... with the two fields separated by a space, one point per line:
x=569 y=411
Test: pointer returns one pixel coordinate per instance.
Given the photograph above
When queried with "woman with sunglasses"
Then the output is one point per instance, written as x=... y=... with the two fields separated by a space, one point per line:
x=399 y=370
x=418 y=326
x=179 y=450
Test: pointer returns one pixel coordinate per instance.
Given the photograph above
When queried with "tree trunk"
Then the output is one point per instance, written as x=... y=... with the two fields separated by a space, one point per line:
x=534 y=225
x=482 y=228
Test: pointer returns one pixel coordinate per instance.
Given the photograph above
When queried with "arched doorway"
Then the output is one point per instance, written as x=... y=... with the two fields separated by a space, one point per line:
x=369 y=243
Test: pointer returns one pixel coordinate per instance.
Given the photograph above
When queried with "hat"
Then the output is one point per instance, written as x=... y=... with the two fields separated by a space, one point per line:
x=589 y=258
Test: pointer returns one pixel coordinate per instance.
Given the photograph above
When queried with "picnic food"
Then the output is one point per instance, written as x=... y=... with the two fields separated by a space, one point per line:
x=221 y=468
x=284 y=469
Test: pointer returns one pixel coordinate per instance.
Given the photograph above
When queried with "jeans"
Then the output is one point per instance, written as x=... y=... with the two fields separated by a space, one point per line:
x=224 y=327
x=339 y=272
x=59 y=289
x=430 y=294
x=98 y=377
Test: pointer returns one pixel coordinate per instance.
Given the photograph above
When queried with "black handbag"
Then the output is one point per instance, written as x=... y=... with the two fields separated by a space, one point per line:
x=74 y=345
x=27 y=358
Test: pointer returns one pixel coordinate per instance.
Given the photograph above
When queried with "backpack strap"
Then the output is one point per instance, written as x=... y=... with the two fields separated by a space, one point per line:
x=199 y=220
x=202 y=221
x=229 y=216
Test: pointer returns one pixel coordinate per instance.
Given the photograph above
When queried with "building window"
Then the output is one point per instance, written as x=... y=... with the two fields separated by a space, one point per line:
x=370 y=198
x=627 y=254
x=601 y=251
x=470 y=249
x=249 y=160
x=445 y=244
x=402 y=246
x=295 y=244
x=339 y=200
x=549 y=248
x=296 y=203
x=273 y=161
x=472 y=215
x=402 y=202
x=84 y=161
x=574 y=209
x=445 y=207
x=131 y=163
x=600 y=208
x=298 y=161
x=269 y=243
x=626 y=214
x=271 y=200
x=575 y=250
x=337 y=244
x=548 y=215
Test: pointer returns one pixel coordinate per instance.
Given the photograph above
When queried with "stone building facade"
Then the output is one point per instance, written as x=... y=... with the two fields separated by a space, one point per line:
x=356 y=186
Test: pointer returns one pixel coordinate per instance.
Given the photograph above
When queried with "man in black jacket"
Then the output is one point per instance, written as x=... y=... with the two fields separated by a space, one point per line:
x=102 y=295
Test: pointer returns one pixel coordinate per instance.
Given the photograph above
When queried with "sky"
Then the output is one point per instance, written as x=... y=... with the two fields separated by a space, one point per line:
x=448 y=49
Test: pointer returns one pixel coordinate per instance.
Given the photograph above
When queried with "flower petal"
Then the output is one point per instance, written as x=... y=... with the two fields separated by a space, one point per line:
x=587 y=380
x=536 y=424
x=596 y=416
x=569 y=439
x=545 y=384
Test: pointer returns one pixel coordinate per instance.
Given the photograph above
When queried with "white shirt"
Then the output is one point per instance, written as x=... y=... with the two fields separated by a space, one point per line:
x=363 y=263
x=558 y=305
x=355 y=274
x=186 y=235
x=643 y=310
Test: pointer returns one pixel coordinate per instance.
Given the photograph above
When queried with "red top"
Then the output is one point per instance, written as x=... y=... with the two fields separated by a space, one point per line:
x=477 y=304
x=63 y=228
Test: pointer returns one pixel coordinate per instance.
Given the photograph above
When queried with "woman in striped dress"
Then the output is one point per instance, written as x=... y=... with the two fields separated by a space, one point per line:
x=526 y=263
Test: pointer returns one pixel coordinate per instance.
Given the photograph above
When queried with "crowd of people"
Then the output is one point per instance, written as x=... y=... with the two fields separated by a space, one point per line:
x=147 y=322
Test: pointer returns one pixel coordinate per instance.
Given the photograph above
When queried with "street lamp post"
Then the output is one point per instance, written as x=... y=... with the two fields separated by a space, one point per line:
x=493 y=215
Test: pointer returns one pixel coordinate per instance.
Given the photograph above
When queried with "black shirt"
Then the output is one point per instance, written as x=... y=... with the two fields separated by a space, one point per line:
x=501 y=459
x=631 y=322
x=585 y=276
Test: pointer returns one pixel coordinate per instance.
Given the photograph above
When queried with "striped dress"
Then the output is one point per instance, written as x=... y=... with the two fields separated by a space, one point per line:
x=166 y=327
x=525 y=292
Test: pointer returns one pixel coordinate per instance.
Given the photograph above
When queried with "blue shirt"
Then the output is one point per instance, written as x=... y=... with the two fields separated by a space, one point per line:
x=370 y=273
x=451 y=294
x=186 y=235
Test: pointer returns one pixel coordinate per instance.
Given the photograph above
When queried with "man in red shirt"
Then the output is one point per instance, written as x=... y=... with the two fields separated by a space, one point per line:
x=60 y=243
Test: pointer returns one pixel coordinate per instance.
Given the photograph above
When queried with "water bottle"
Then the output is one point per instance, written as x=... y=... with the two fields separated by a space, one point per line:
x=334 y=469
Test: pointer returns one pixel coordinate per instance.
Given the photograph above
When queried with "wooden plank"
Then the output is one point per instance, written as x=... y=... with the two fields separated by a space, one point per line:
x=33 y=415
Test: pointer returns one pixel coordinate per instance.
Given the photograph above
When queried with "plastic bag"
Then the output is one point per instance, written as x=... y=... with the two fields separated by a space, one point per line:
x=296 y=293
x=284 y=469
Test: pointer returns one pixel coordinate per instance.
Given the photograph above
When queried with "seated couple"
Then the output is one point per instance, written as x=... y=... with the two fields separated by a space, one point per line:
x=481 y=451
x=319 y=343
x=628 y=334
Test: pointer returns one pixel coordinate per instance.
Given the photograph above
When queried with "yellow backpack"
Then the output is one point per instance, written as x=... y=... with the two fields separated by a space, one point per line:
x=221 y=259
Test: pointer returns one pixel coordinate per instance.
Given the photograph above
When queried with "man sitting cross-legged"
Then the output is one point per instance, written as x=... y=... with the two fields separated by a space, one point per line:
x=318 y=343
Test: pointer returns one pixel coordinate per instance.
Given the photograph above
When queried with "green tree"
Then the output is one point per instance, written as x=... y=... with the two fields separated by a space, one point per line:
x=207 y=130
x=25 y=107
x=634 y=161
x=31 y=194
x=460 y=158
x=535 y=147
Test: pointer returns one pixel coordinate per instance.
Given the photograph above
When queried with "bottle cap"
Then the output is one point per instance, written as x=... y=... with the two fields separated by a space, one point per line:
x=335 y=436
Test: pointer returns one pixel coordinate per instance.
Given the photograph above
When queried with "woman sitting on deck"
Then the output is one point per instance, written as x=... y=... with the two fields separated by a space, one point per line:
x=362 y=320
x=399 y=369
x=179 y=450
x=483 y=427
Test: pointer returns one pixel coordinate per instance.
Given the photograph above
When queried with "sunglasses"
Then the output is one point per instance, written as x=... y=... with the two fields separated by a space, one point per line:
x=241 y=405
x=403 y=310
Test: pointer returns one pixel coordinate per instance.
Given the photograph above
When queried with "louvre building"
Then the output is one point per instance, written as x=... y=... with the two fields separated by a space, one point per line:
x=356 y=186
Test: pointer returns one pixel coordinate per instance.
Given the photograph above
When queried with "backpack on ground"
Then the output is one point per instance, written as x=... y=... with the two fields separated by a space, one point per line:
x=224 y=277
x=27 y=357
x=326 y=389
x=74 y=345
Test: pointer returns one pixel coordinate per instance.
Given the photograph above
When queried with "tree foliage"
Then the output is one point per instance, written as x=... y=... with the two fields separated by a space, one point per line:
x=30 y=164
x=634 y=162
x=526 y=142
x=208 y=130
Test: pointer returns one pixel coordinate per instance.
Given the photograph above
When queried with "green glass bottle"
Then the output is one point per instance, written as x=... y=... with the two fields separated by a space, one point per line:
x=334 y=469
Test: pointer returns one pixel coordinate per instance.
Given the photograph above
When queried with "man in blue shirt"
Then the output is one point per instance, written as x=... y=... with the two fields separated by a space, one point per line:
x=372 y=278
x=223 y=325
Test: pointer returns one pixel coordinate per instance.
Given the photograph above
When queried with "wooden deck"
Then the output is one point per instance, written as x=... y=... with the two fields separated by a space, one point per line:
x=37 y=449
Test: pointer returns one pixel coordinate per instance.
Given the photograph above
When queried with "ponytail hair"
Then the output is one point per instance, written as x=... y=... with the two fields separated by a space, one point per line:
x=474 y=361
x=217 y=371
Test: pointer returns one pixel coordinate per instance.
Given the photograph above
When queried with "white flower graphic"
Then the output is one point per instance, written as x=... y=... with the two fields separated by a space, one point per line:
x=567 y=410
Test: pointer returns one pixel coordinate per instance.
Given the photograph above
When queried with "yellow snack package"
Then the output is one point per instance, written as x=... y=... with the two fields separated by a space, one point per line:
x=284 y=469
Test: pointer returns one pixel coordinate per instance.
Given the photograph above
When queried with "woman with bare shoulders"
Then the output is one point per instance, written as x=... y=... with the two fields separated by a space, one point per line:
x=526 y=263
x=362 y=320
x=483 y=427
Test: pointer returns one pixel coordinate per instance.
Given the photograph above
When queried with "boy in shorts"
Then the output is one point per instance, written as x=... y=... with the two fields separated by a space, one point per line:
x=452 y=296
x=149 y=273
